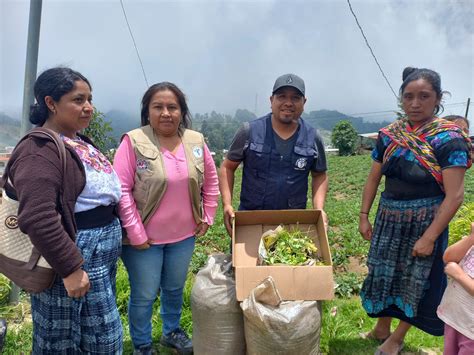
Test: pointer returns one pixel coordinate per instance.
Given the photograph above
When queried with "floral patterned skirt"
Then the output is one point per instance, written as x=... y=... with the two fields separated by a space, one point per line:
x=399 y=285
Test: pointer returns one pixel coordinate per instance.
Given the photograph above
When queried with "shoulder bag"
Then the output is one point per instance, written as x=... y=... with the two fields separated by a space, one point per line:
x=20 y=261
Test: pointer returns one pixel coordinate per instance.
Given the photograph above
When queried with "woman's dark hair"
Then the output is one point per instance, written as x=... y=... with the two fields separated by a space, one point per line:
x=54 y=82
x=411 y=74
x=152 y=90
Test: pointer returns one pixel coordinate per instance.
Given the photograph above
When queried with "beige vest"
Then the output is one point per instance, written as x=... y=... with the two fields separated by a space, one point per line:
x=150 y=174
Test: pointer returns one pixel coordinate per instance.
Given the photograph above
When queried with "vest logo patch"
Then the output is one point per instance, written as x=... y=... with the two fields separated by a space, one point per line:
x=301 y=163
x=142 y=164
x=197 y=151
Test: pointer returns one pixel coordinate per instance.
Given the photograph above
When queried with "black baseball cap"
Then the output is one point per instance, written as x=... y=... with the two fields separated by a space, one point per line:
x=292 y=80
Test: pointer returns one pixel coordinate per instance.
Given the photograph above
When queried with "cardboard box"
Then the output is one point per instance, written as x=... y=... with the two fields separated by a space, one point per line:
x=293 y=282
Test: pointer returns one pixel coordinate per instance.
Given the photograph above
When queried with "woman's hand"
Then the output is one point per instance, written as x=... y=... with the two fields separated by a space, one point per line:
x=228 y=216
x=143 y=246
x=365 y=228
x=453 y=270
x=423 y=247
x=201 y=229
x=77 y=284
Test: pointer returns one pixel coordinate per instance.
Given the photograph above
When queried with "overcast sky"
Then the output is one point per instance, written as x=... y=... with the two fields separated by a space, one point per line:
x=225 y=54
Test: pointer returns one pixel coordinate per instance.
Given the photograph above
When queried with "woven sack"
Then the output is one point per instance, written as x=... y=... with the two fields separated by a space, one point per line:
x=277 y=327
x=20 y=261
x=218 y=323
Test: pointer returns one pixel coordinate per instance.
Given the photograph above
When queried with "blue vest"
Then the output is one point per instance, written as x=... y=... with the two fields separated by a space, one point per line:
x=270 y=182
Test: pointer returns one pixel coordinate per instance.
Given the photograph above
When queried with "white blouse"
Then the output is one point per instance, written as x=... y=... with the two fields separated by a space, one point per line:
x=102 y=183
x=457 y=306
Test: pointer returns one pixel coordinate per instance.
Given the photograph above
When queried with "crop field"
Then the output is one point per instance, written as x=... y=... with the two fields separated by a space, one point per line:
x=343 y=317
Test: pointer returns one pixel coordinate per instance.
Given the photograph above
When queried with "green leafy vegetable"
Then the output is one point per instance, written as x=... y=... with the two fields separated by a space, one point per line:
x=290 y=248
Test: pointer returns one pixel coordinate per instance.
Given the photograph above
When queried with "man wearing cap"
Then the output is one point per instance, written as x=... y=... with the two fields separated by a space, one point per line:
x=278 y=151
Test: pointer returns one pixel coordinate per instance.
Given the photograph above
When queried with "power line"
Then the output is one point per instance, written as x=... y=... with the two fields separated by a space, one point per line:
x=371 y=51
x=456 y=103
x=134 y=44
x=371 y=113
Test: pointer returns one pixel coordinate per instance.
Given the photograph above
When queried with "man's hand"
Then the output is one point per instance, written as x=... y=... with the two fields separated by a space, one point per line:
x=325 y=220
x=226 y=185
x=228 y=217
x=423 y=247
x=77 y=284
x=365 y=228
x=201 y=229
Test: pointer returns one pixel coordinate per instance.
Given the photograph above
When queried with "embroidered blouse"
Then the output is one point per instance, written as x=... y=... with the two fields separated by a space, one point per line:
x=102 y=183
x=405 y=174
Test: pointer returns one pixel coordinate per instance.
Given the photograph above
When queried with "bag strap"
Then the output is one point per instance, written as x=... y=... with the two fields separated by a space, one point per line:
x=42 y=132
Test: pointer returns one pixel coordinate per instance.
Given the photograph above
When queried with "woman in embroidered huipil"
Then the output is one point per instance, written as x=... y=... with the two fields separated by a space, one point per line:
x=75 y=229
x=169 y=197
x=423 y=159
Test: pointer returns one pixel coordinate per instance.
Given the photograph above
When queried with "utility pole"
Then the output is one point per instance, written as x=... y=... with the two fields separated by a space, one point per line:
x=467 y=107
x=31 y=63
x=28 y=96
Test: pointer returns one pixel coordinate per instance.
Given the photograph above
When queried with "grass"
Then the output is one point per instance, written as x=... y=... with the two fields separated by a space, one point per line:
x=343 y=318
x=340 y=332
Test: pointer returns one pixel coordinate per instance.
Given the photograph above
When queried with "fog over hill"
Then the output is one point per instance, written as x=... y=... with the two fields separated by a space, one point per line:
x=217 y=124
x=9 y=130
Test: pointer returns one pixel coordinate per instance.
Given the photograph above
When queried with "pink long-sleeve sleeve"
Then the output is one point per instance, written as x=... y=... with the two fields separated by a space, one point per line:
x=125 y=165
x=210 y=188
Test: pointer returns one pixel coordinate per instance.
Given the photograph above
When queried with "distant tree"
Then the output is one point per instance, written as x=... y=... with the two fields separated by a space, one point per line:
x=205 y=129
x=100 y=131
x=401 y=112
x=219 y=128
x=344 y=137
x=216 y=116
x=218 y=157
x=243 y=115
x=216 y=141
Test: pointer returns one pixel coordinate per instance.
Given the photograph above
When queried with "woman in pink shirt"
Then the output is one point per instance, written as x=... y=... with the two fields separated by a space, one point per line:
x=169 y=197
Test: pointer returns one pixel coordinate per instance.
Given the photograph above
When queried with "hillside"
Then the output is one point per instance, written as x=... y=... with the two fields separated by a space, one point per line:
x=218 y=128
x=327 y=119
x=324 y=120
x=122 y=122
x=9 y=130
